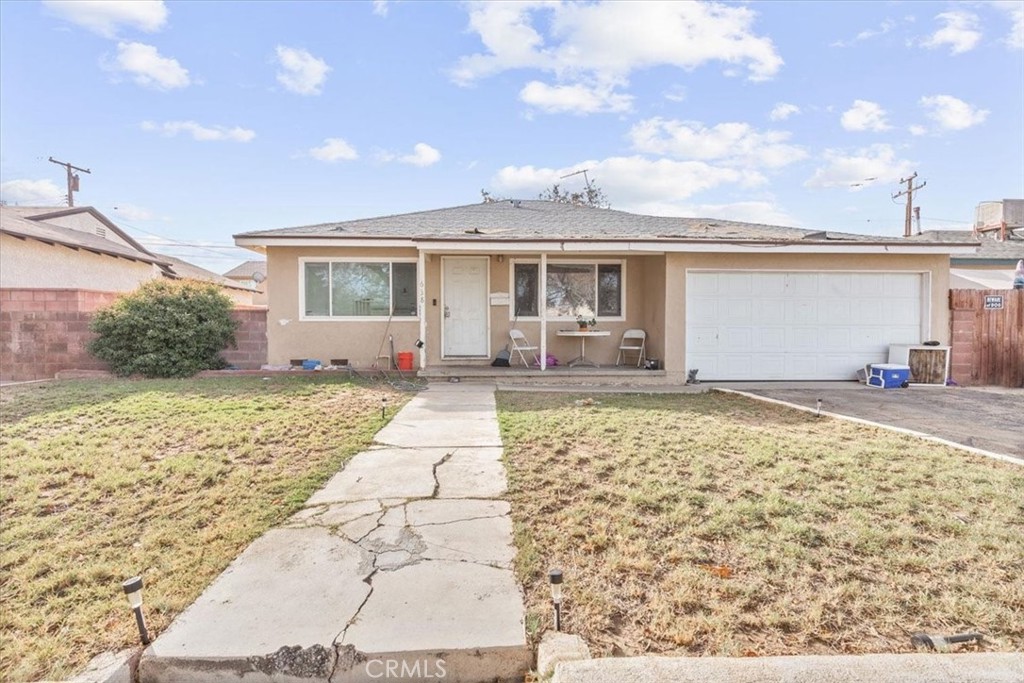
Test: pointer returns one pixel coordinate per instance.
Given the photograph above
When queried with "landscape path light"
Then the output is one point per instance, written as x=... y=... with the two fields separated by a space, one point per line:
x=133 y=591
x=383 y=406
x=555 y=579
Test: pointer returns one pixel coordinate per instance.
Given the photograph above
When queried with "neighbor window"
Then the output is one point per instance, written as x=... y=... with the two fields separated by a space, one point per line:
x=354 y=289
x=572 y=288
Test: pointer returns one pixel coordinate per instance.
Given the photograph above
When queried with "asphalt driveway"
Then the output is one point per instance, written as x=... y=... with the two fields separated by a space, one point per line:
x=991 y=419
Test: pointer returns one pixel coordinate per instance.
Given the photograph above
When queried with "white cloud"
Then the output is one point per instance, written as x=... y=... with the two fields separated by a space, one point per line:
x=864 y=115
x=1015 y=9
x=959 y=31
x=733 y=143
x=334 y=149
x=951 y=113
x=200 y=132
x=867 y=34
x=876 y=162
x=422 y=155
x=917 y=130
x=676 y=93
x=380 y=8
x=300 y=71
x=25 y=191
x=783 y=110
x=105 y=17
x=607 y=41
x=130 y=212
x=633 y=183
x=149 y=68
x=576 y=99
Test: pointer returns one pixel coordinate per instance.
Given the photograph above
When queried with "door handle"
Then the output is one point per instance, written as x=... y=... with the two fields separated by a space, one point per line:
x=447 y=312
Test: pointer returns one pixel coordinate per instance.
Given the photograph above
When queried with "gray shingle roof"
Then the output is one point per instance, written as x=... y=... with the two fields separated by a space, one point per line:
x=540 y=219
x=991 y=249
x=246 y=270
x=14 y=223
x=185 y=269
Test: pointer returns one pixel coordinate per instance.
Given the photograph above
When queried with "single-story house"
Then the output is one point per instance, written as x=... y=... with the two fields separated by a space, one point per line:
x=991 y=267
x=71 y=248
x=736 y=301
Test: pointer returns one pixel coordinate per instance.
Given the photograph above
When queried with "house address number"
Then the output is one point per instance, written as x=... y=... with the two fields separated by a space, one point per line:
x=993 y=302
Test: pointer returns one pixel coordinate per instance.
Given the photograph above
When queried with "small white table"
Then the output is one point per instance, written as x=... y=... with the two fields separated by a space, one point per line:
x=583 y=334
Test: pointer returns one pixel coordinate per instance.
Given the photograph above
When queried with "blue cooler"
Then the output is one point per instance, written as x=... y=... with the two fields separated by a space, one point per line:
x=888 y=375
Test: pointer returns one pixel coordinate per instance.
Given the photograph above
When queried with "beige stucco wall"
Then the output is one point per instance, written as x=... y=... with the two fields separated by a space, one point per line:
x=655 y=302
x=28 y=263
x=289 y=337
x=86 y=222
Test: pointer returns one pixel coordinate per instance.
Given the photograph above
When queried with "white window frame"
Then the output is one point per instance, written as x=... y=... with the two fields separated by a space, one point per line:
x=542 y=305
x=303 y=260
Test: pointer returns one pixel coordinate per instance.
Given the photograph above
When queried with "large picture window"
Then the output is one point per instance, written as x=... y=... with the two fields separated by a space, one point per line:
x=359 y=289
x=573 y=288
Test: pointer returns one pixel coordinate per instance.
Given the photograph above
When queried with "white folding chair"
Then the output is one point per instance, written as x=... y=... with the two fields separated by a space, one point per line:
x=632 y=341
x=520 y=344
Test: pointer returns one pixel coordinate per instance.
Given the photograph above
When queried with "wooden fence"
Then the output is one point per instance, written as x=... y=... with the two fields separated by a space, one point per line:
x=988 y=336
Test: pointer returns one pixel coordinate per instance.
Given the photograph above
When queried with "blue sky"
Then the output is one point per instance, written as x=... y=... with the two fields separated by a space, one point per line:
x=204 y=119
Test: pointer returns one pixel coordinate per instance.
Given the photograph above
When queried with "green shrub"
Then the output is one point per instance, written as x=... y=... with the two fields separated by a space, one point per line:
x=165 y=328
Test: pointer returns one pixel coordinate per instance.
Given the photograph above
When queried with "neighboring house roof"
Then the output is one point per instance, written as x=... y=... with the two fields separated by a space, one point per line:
x=184 y=269
x=17 y=222
x=43 y=213
x=539 y=220
x=247 y=270
x=991 y=249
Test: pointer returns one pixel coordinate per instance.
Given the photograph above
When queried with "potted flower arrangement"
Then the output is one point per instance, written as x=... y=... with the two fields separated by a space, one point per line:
x=585 y=319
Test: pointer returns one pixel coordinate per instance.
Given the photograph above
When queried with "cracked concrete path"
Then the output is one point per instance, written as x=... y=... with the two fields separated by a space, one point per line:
x=400 y=567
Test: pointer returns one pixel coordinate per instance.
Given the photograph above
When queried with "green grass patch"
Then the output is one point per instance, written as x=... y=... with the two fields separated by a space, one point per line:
x=709 y=524
x=169 y=479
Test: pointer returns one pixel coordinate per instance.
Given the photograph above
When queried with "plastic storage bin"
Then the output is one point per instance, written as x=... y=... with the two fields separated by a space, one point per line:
x=888 y=375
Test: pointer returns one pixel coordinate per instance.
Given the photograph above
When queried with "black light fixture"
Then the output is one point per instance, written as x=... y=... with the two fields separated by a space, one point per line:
x=555 y=579
x=383 y=406
x=419 y=343
x=133 y=591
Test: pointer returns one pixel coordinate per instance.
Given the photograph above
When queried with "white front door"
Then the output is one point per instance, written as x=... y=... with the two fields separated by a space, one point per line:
x=464 y=295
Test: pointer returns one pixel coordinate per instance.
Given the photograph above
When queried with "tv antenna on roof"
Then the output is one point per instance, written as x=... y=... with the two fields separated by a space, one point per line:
x=586 y=180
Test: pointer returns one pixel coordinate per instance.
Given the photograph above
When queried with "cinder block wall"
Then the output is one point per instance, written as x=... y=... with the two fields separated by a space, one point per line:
x=45 y=331
x=251 y=338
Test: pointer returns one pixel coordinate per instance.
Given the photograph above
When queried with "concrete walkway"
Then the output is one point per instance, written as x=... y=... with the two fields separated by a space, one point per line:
x=400 y=568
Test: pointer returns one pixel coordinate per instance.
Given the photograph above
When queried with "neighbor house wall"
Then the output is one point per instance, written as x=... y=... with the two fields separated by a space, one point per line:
x=30 y=264
x=86 y=222
x=937 y=266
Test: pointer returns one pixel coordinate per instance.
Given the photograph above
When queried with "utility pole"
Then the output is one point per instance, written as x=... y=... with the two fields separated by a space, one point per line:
x=909 y=192
x=72 y=178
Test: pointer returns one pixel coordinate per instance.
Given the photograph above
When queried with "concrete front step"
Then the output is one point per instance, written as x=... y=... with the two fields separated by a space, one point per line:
x=400 y=568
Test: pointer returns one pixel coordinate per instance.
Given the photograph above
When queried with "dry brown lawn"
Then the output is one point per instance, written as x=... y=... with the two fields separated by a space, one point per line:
x=712 y=524
x=100 y=481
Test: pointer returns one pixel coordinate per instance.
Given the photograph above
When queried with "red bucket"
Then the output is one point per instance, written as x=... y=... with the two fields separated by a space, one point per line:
x=405 y=360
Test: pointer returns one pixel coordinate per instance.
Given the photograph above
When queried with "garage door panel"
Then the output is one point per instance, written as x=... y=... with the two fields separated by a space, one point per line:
x=798 y=325
x=801 y=311
x=770 y=284
x=771 y=339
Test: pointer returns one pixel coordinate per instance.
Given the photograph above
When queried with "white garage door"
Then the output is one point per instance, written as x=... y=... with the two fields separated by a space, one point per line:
x=743 y=325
